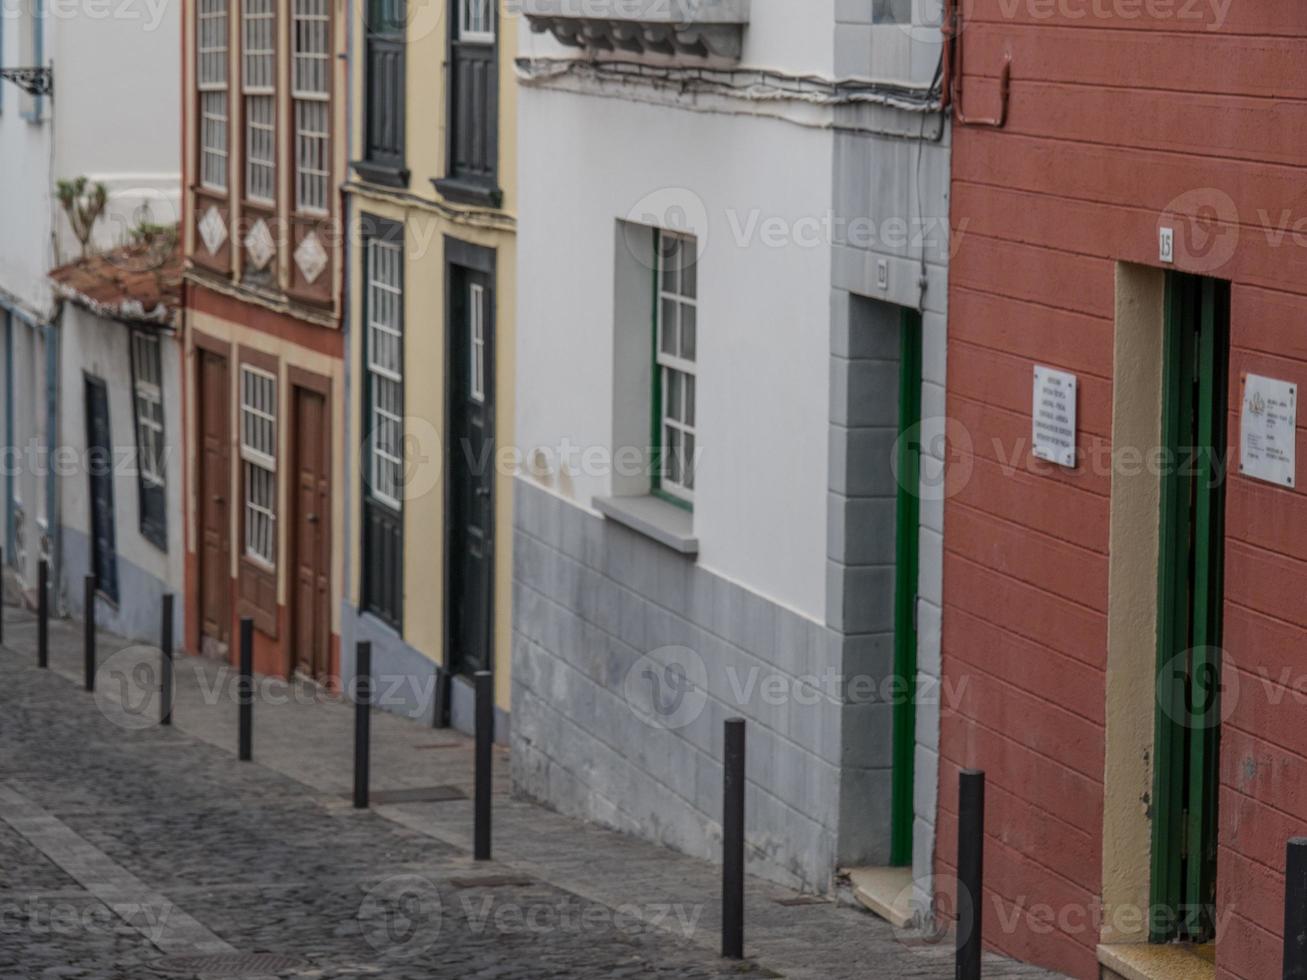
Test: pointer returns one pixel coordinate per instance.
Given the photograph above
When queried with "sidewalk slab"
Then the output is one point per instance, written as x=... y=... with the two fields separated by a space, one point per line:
x=306 y=734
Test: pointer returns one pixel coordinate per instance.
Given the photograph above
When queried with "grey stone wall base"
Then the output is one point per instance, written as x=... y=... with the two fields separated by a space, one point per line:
x=599 y=611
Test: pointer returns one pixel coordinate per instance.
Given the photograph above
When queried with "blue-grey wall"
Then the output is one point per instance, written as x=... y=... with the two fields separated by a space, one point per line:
x=138 y=612
x=405 y=678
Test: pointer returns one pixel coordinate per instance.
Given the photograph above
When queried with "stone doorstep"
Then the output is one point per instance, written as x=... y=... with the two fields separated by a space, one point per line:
x=1147 y=961
x=885 y=891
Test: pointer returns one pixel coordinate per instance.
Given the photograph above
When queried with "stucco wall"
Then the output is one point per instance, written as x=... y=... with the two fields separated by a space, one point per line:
x=764 y=312
x=1119 y=124
x=30 y=423
x=115 y=122
x=26 y=251
x=789 y=382
x=98 y=347
x=110 y=120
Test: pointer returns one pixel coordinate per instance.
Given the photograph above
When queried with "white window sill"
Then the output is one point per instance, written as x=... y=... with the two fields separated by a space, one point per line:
x=655 y=518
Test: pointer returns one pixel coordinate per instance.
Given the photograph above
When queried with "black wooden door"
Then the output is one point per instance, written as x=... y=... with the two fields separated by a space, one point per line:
x=471 y=448
x=99 y=455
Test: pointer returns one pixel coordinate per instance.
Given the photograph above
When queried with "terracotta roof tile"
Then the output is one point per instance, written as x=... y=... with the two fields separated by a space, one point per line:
x=138 y=282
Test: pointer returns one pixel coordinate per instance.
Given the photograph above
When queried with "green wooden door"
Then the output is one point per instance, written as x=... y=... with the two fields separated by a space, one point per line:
x=907 y=523
x=1191 y=562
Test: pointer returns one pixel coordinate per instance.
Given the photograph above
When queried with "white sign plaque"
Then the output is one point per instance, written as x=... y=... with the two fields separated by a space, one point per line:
x=1266 y=430
x=1053 y=416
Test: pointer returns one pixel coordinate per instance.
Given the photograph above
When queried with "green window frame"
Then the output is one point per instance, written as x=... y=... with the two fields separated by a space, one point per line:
x=675 y=368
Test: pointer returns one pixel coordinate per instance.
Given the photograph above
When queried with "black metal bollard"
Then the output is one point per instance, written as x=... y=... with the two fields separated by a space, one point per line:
x=88 y=630
x=440 y=709
x=1295 y=909
x=362 y=721
x=43 y=613
x=245 y=691
x=733 y=841
x=971 y=871
x=485 y=737
x=165 y=663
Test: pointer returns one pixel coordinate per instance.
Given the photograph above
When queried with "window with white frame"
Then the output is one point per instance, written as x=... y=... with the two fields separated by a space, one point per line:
x=310 y=89
x=476 y=308
x=476 y=20
x=147 y=385
x=259 y=459
x=259 y=86
x=211 y=76
x=677 y=336
x=385 y=371
x=147 y=388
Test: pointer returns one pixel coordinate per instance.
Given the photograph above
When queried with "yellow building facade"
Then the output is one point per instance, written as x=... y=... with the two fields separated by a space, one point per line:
x=431 y=203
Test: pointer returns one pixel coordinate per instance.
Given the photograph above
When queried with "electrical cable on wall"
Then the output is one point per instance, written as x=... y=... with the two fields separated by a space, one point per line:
x=748 y=84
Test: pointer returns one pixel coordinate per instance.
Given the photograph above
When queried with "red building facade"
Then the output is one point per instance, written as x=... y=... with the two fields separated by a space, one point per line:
x=264 y=117
x=1132 y=800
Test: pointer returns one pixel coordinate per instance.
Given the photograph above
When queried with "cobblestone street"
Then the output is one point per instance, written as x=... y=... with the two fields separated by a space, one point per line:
x=128 y=850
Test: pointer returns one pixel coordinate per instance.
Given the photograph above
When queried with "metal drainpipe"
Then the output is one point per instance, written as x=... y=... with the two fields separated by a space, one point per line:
x=9 y=433
x=346 y=258
x=54 y=525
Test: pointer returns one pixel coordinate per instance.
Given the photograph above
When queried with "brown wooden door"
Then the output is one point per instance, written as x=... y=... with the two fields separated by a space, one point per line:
x=213 y=483
x=311 y=612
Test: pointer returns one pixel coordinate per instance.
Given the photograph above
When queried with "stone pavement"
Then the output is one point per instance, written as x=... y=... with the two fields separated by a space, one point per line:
x=123 y=843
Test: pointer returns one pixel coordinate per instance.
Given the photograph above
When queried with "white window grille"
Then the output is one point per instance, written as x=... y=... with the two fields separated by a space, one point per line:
x=476 y=305
x=386 y=371
x=677 y=329
x=212 y=82
x=259 y=85
x=310 y=91
x=259 y=457
x=147 y=370
x=476 y=21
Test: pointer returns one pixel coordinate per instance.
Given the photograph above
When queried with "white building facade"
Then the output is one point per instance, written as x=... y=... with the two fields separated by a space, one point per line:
x=80 y=96
x=732 y=322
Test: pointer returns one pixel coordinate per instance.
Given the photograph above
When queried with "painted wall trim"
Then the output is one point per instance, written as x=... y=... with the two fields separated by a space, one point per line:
x=1130 y=679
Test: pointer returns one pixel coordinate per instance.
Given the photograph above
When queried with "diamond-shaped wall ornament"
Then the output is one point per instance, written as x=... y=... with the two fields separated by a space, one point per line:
x=212 y=230
x=311 y=257
x=259 y=245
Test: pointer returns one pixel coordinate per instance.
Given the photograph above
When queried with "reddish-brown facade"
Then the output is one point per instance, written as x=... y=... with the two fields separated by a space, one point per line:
x=263 y=160
x=1122 y=118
